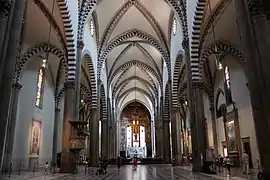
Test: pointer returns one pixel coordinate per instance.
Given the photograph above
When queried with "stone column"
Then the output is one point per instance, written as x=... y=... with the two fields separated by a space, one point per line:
x=161 y=128
x=10 y=133
x=214 y=129
x=55 y=135
x=94 y=138
x=197 y=123
x=196 y=107
x=166 y=140
x=80 y=46
x=104 y=137
x=8 y=70
x=254 y=30
x=68 y=163
x=176 y=137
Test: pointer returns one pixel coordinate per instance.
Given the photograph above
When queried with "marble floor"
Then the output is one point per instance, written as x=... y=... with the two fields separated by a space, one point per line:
x=143 y=172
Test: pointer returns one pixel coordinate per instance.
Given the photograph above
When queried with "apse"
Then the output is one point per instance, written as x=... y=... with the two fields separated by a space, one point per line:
x=136 y=131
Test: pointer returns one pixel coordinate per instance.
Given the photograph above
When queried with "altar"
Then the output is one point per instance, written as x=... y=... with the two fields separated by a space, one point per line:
x=136 y=151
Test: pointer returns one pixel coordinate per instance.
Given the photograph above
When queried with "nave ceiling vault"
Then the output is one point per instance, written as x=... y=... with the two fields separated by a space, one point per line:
x=132 y=28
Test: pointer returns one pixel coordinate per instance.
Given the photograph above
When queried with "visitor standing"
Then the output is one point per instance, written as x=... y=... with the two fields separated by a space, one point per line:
x=245 y=163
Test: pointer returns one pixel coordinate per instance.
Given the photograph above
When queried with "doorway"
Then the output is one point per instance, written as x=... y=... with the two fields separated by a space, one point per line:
x=224 y=149
x=247 y=149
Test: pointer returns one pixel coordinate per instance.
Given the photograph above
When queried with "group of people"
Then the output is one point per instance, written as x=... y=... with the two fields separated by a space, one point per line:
x=226 y=162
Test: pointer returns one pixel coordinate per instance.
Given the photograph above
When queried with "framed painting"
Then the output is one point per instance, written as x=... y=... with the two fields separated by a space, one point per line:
x=231 y=136
x=35 y=137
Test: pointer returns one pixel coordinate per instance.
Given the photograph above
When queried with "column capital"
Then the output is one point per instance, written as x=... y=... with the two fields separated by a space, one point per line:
x=80 y=44
x=176 y=109
x=257 y=8
x=212 y=108
x=5 y=6
x=197 y=85
x=69 y=85
x=57 y=109
x=16 y=85
x=185 y=44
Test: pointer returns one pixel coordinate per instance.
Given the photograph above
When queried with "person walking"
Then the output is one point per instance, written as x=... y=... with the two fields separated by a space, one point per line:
x=220 y=164
x=227 y=162
x=118 y=162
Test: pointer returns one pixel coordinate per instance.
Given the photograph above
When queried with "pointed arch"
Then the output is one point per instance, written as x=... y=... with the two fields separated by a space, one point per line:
x=87 y=92
x=121 y=12
x=219 y=108
x=224 y=48
x=95 y=20
x=138 y=64
x=61 y=93
x=131 y=101
x=176 y=74
x=129 y=34
x=88 y=59
x=35 y=50
x=120 y=96
x=126 y=81
x=103 y=102
x=123 y=73
x=178 y=6
x=141 y=49
x=166 y=114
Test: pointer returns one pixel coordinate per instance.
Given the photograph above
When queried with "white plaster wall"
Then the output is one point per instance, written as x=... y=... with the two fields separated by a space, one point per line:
x=165 y=78
x=220 y=134
x=27 y=111
x=176 y=43
x=60 y=125
x=207 y=115
x=104 y=80
x=90 y=45
x=240 y=95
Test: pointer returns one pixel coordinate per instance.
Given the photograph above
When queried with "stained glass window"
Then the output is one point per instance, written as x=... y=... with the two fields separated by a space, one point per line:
x=227 y=85
x=174 y=26
x=40 y=85
x=227 y=77
x=92 y=28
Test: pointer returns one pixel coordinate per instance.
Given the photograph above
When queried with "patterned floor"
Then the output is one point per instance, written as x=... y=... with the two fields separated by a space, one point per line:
x=143 y=172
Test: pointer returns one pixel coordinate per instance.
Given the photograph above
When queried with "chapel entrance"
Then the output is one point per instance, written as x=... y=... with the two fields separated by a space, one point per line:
x=136 y=131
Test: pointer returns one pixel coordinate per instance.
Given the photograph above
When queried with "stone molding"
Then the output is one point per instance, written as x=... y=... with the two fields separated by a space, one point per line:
x=80 y=44
x=5 y=6
x=176 y=109
x=69 y=85
x=185 y=44
x=16 y=85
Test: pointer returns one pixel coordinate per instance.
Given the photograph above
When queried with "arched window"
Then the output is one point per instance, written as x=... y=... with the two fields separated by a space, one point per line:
x=92 y=28
x=227 y=86
x=40 y=85
x=174 y=26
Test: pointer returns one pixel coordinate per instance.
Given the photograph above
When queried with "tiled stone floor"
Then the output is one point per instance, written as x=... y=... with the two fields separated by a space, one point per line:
x=143 y=172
